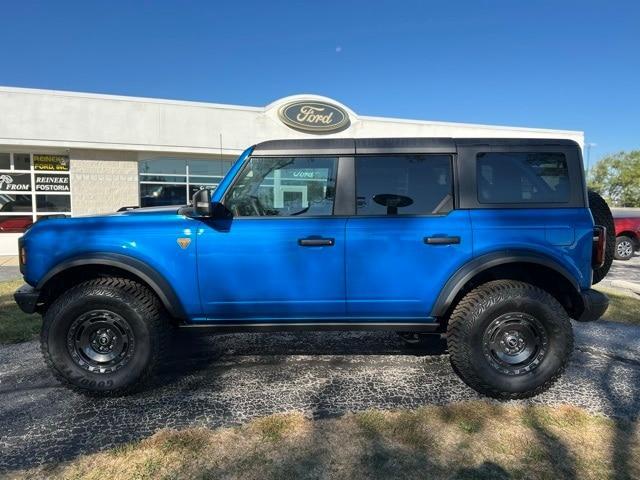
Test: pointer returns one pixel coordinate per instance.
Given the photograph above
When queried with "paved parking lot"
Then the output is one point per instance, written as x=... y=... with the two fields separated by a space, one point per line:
x=628 y=270
x=227 y=379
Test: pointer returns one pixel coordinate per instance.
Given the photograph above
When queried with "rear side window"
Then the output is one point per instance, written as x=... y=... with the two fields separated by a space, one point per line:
x=514 y=177
x=403 y=184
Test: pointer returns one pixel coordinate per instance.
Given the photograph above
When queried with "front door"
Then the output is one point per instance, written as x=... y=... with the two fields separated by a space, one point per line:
x=405 y=240
x=281 y=256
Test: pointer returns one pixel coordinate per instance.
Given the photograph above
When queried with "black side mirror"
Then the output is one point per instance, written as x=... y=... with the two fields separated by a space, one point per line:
x=202 y=203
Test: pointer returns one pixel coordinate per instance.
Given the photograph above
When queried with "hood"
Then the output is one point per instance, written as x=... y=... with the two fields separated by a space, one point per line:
x=143 y=210
x=137 y=211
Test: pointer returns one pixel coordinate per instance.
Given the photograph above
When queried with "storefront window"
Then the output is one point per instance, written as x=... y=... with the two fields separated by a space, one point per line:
x=14 y=224
x=22 y=161
x=5 y=161
x=171 y=166
x=155 y=195
x=173 y=181
x=32 y=186
x=53 y=203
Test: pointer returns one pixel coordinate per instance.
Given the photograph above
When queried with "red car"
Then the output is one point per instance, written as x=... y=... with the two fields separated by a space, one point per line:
x=627 y=235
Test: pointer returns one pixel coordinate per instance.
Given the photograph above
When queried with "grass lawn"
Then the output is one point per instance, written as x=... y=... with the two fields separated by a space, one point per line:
x=476 y=440
x=622 y=308
x=15 y=326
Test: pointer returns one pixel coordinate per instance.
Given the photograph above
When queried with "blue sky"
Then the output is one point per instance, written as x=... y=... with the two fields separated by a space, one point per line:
x=551 y=64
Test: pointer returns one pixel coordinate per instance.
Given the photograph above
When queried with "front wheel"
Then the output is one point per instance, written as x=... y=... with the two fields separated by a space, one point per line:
x=104 y=336
x=624 y=248
x=509 y=339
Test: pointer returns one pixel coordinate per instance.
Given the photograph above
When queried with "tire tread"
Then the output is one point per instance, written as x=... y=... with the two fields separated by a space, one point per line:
x=466 y=314
x=148 y=307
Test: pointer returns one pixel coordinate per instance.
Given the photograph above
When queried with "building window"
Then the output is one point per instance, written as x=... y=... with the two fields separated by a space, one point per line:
x=173 y=181
x=32 y=186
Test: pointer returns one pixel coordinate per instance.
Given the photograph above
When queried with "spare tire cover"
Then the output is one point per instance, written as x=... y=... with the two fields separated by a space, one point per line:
x=602 y=216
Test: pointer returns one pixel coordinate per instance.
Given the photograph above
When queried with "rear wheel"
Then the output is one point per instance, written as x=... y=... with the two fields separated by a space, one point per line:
x=104 y=336
x=624 y=248
x=509 y=339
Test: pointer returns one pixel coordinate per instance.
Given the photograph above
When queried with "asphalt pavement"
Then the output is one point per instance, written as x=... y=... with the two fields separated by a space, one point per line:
x=217 y=380
x=627 y=270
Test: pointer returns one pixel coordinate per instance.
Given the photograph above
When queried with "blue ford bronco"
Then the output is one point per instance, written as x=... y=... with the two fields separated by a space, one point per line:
x=493 y=243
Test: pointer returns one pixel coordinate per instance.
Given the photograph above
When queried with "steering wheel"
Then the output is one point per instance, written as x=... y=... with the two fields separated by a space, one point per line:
x=248 y=206
x=256 y=206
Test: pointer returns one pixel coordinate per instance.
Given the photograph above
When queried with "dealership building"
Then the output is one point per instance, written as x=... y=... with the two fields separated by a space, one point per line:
x=68 y=153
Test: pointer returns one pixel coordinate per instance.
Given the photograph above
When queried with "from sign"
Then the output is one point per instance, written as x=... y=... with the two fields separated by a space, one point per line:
x=15 y=182
x=314 y=117
x=46 y=182
x=54 y=163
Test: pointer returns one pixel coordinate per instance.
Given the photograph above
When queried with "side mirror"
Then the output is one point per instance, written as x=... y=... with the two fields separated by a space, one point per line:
x=202 y=203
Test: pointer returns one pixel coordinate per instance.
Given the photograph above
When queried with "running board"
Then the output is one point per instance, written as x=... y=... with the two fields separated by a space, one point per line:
x=237 y=327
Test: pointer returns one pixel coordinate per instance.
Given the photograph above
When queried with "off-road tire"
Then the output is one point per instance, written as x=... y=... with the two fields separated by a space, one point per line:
x=141 y=310
x=628 y=253
x=477 y=311
x=602 y=216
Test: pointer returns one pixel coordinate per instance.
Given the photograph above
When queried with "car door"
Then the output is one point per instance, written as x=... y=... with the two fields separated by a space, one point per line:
x=405 y=239
x=281 y=254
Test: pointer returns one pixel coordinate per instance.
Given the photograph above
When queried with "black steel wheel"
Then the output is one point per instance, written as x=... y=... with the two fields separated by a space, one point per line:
x=104 y=336
x=100 y=341
x=509 y=339
x=515 y=343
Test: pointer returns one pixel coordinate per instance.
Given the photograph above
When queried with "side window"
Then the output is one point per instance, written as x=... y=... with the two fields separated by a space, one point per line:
x=285 y=186
x=403 y=185
x=506 y=177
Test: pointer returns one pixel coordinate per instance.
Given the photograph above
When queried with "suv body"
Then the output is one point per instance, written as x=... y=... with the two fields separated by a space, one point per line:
x=399 y=234
x=627 y=235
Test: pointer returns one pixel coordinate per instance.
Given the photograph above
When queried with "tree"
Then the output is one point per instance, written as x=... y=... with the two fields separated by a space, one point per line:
x=617 y=178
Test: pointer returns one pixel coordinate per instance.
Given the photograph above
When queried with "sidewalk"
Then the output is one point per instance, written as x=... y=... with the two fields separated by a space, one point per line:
x=624 y=277
x=9 y=268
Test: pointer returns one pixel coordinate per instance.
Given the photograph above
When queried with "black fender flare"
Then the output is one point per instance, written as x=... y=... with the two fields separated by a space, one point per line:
x=138 y=268
x=472 y=268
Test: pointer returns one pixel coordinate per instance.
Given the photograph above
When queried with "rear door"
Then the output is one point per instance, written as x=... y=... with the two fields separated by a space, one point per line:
x=405 y=239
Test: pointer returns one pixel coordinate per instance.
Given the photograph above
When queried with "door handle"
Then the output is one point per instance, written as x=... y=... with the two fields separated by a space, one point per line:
x=316 y=242
x=441 y=240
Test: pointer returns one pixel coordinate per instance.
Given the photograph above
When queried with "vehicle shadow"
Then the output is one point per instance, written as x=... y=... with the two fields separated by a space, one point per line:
x=195 y=350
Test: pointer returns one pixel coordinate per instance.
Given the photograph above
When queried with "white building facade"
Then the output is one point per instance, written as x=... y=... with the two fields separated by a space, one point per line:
x=67 y=153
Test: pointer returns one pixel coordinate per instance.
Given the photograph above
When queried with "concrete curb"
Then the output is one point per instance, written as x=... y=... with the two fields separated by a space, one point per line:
x=623 y=284
x=623 y=287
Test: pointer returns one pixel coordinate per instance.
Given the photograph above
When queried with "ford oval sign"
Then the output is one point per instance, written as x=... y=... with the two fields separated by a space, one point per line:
x=314 y=117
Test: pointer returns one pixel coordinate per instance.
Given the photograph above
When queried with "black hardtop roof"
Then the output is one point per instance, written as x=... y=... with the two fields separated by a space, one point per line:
x=351 y=146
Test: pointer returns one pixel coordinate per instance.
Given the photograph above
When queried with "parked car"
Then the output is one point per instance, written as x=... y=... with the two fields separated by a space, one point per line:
x=490 y=242
x=627 y=235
